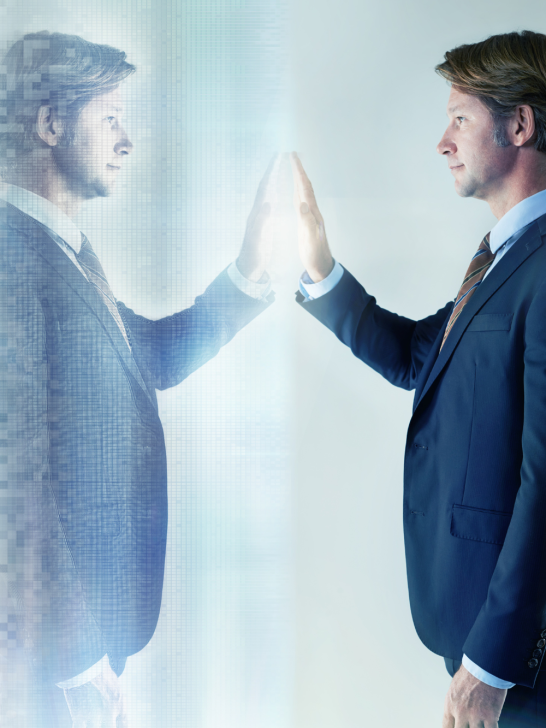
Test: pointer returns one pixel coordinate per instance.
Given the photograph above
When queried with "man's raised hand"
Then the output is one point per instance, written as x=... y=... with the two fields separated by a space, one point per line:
x=313 y=245
x=257 y=245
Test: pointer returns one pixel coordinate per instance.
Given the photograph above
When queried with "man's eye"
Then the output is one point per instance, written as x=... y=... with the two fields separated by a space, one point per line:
x=461 y=118
x=110 y=118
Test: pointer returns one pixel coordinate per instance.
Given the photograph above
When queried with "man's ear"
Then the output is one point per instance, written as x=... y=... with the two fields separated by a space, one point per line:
x=523 y=126
x=48 y=126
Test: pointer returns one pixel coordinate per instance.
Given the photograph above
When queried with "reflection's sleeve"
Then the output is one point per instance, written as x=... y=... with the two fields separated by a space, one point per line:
x=47 y=628
x=172 y=348
x=393 y=345
x=255 y=289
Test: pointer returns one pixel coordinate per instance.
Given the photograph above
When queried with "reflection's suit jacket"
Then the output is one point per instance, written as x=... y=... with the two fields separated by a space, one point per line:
x=83 y=516
x=475 y=461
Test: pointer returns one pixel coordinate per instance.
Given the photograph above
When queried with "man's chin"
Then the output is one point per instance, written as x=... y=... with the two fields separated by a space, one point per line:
x=100 y=189
x=465 y=190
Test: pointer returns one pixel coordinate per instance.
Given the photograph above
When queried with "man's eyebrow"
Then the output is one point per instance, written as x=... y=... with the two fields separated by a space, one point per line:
x=453 y=109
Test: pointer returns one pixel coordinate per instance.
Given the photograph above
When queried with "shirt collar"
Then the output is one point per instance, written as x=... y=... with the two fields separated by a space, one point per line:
x=521 y=215
x=46 y=213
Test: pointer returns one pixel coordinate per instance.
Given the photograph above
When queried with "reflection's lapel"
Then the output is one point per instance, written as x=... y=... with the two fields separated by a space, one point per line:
x=521 y=250
x=46 y=247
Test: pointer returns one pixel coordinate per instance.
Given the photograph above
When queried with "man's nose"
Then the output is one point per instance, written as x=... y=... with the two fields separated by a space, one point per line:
x=124 y=145
x=446 y=145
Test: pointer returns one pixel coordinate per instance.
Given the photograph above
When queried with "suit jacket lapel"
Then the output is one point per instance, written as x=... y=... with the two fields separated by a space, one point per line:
x=429 y=364
x=46 y=247
x=522 y=249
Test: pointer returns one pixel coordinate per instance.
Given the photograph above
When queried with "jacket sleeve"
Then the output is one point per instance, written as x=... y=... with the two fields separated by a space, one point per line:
x=394 y=346
x=48 y=630
x=172 y=348
x=508 y=638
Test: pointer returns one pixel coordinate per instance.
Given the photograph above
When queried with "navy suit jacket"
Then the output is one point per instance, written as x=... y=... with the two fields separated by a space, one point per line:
x=475 y=459
x=83 y=511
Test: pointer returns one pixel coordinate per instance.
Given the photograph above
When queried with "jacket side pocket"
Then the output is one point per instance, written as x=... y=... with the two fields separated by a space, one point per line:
x=476 y=524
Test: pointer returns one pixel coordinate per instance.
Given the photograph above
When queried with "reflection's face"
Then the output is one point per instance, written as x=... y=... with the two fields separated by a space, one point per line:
x=90 y=164
x=475 y=160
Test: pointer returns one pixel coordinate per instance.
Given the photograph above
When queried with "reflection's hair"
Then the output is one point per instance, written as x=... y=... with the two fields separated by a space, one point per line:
x=52 y=69
x=504 y=71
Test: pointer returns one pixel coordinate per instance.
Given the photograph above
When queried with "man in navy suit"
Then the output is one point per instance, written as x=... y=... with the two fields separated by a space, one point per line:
x=475 y=460
x=83 y=505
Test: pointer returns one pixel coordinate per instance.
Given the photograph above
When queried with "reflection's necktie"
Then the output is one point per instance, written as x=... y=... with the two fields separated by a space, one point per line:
x=479 y=265
x=93 y=269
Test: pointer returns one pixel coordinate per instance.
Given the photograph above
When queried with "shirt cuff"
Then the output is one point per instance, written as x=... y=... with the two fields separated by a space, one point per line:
x=90 y=674
x=486 y=677
x=255 y=289
x=314 y=290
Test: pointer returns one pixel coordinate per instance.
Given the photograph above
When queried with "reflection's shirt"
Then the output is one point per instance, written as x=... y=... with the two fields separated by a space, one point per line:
x=504 y=235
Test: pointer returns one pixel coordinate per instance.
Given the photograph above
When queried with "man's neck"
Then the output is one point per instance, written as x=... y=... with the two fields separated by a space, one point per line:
x=40 y=175
x=518 y=186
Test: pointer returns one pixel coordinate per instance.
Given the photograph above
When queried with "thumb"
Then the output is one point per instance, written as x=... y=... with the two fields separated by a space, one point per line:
x=259 y=221
x=309 y=222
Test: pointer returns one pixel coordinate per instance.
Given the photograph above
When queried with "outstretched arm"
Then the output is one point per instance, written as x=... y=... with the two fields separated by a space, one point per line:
x=174 y=347
x=393 y=345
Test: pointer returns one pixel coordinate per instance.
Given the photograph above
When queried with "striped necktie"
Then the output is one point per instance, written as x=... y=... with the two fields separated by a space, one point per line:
x=479 y=265
x=93 y=269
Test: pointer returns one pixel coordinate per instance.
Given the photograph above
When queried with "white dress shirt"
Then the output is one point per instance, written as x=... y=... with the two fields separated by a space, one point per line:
x=504 y=235
x=69 y=238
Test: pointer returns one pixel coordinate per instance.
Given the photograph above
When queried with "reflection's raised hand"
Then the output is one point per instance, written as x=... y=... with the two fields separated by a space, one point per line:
x=313 y=245
x=257 y=244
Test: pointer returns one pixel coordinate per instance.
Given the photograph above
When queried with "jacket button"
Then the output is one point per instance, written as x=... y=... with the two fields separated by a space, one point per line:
x=537 y=653
x=533 y=662
x=541 y=643
x=543 y=634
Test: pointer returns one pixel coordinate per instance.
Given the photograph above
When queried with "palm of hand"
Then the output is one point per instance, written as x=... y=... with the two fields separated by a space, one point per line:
x=313 y=245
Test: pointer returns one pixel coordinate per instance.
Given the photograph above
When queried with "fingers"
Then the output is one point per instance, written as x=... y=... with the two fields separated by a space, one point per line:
x=255 y=252
x=261 y=219
x=109 y=720
x=265 y=188
x=270 y=173
x=308 y=220
x=123 y=719
x=97 y=703
x=303 y=189
x=448 y=720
